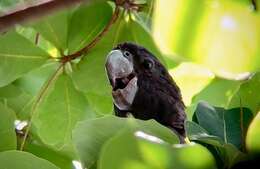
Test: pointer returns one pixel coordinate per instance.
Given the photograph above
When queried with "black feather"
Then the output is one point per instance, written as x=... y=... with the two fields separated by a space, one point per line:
x=158 y=97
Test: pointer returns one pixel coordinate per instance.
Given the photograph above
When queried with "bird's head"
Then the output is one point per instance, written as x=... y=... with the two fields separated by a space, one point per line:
x=127 y=65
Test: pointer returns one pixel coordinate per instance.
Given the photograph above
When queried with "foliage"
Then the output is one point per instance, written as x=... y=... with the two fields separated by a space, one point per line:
x=55 y=102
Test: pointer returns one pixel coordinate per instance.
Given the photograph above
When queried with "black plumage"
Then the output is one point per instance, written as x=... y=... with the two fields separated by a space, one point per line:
x=157 y=97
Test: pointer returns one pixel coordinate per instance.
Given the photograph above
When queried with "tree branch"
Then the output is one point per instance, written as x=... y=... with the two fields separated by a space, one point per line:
x=34 y=12
x=37 y=102
x=95 y=40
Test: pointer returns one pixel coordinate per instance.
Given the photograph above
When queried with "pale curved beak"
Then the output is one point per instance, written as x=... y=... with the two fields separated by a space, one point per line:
x=117 y=66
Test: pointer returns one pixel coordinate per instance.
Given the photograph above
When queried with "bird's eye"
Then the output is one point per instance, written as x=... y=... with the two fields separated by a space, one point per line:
x=127 y=54
x=148 y=64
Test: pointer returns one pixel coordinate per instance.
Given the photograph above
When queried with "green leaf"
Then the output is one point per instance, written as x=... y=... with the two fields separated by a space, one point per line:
x=196 y=133
x=58 y=112
x=83 y=27
x=225 y=154
x=18 y=56
x=248 y=94
x=7 y=129
x=57 y=158
x=229 y=125
x=90 y=135
x=9 y=91
x=187 y=72
x=54 y=28
x=212 y=34
x=253 y=135
x=130 y=149
x=23 y=160
x=100 y=103
x=218 y=93
x=142 y=36
x=18 y=102
x=29 y=86
x=33 y=81
x=231 y=155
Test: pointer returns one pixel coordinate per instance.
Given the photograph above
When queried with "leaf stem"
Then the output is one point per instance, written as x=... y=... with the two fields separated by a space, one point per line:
x=95 y=40
x=38 y=100
x=37 y=38
x=242 y=126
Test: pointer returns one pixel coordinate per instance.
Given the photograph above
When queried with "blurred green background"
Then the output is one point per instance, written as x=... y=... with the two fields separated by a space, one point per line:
x=210 y=47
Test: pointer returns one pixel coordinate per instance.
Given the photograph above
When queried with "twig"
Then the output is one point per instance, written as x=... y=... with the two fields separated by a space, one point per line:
x=242 y=125
x=37 y=38
x=95 y=40
x=20 y=16
x=38 y=101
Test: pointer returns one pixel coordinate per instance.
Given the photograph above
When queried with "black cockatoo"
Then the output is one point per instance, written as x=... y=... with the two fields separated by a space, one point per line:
x=143 y=87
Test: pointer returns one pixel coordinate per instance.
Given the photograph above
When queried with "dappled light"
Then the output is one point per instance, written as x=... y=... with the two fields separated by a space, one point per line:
x=129 y=84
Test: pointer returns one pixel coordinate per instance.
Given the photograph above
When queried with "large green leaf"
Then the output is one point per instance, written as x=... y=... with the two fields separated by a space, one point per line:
x=25 y=89
x=248 y=94
x=23 y=160
x=253 y=135
x=217 y=93
x=57 y=158
x=18 y=56
x=185 y=73
x=7 y=130
x=229 y=125
x=33 y=81
x=226 y=154
x=58 y=112
x=84 y=27
x=131 y=149
x=54 y=28
x=90 y=135
x=73 y=29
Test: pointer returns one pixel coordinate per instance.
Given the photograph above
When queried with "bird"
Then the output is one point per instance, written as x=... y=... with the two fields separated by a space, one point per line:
x=143 y=87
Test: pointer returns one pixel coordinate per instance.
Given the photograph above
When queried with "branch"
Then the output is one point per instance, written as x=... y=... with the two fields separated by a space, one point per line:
x=95 y=40
x=38 y=100
x=34 y=12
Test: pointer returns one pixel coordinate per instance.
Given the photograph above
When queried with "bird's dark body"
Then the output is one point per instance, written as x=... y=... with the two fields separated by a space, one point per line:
x=158 y=97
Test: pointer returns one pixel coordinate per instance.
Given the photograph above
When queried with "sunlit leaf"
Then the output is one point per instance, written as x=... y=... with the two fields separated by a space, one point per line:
x=186 y=74
x=130 y=149
x=7 y=129
x=23 y=160
x=223 y=35
x=18 y=56
x=90 y=135
x=54 y=28
x=217 y=93
x=253 y=135
x=248 y=94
